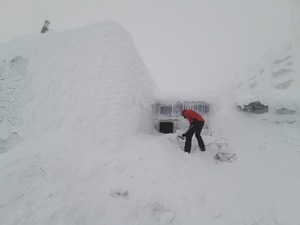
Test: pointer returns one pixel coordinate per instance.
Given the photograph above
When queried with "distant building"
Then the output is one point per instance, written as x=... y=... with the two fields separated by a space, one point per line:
x=168 y=118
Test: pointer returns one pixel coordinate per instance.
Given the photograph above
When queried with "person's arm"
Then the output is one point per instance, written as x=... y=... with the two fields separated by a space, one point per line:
x=184 y=134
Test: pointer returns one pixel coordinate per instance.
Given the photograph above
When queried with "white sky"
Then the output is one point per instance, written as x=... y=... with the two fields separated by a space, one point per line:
x=187 y=45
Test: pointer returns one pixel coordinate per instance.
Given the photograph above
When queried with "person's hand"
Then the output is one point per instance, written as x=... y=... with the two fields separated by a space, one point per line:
x=183 y=135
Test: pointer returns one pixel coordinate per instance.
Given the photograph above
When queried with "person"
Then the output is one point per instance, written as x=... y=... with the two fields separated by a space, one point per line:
x=196 y=125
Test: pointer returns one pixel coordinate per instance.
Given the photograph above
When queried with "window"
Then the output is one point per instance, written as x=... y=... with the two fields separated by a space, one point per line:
x=205 y=109
x=166 y=110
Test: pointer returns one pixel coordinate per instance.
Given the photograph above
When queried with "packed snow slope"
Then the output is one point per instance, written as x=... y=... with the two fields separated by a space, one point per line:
x=77 y=145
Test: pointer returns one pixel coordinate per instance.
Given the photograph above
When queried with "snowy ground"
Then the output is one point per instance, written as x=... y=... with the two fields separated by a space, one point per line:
x=59 y=172
x=63 y=178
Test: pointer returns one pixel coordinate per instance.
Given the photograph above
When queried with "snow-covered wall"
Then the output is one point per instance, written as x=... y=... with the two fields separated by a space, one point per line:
x=91 y=79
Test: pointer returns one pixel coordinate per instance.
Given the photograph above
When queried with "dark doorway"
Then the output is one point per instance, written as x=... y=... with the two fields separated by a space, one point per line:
x=166 y=127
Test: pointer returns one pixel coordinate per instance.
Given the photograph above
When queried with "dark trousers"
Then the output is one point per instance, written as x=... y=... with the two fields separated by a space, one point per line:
x=195 y=127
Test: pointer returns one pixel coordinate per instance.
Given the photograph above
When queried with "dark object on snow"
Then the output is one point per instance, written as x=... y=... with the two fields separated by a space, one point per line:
x=181 y=137
x=119 y=193
x=45 y=27
x=166 y=127
x=225 y=157
x=256 y=107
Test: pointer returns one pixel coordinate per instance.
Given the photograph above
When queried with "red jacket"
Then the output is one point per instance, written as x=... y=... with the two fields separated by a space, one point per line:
x=192 y=115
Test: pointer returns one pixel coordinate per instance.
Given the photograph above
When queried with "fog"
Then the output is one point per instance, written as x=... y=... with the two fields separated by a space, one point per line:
x=189 y=45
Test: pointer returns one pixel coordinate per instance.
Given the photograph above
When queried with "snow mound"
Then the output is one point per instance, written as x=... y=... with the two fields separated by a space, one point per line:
x=274 y=83
x=90 y=79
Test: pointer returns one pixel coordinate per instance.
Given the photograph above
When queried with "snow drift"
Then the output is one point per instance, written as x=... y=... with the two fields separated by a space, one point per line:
x=86 y=79
x=273 y=82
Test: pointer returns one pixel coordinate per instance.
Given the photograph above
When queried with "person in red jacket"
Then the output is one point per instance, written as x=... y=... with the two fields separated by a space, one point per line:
x=196 y=125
